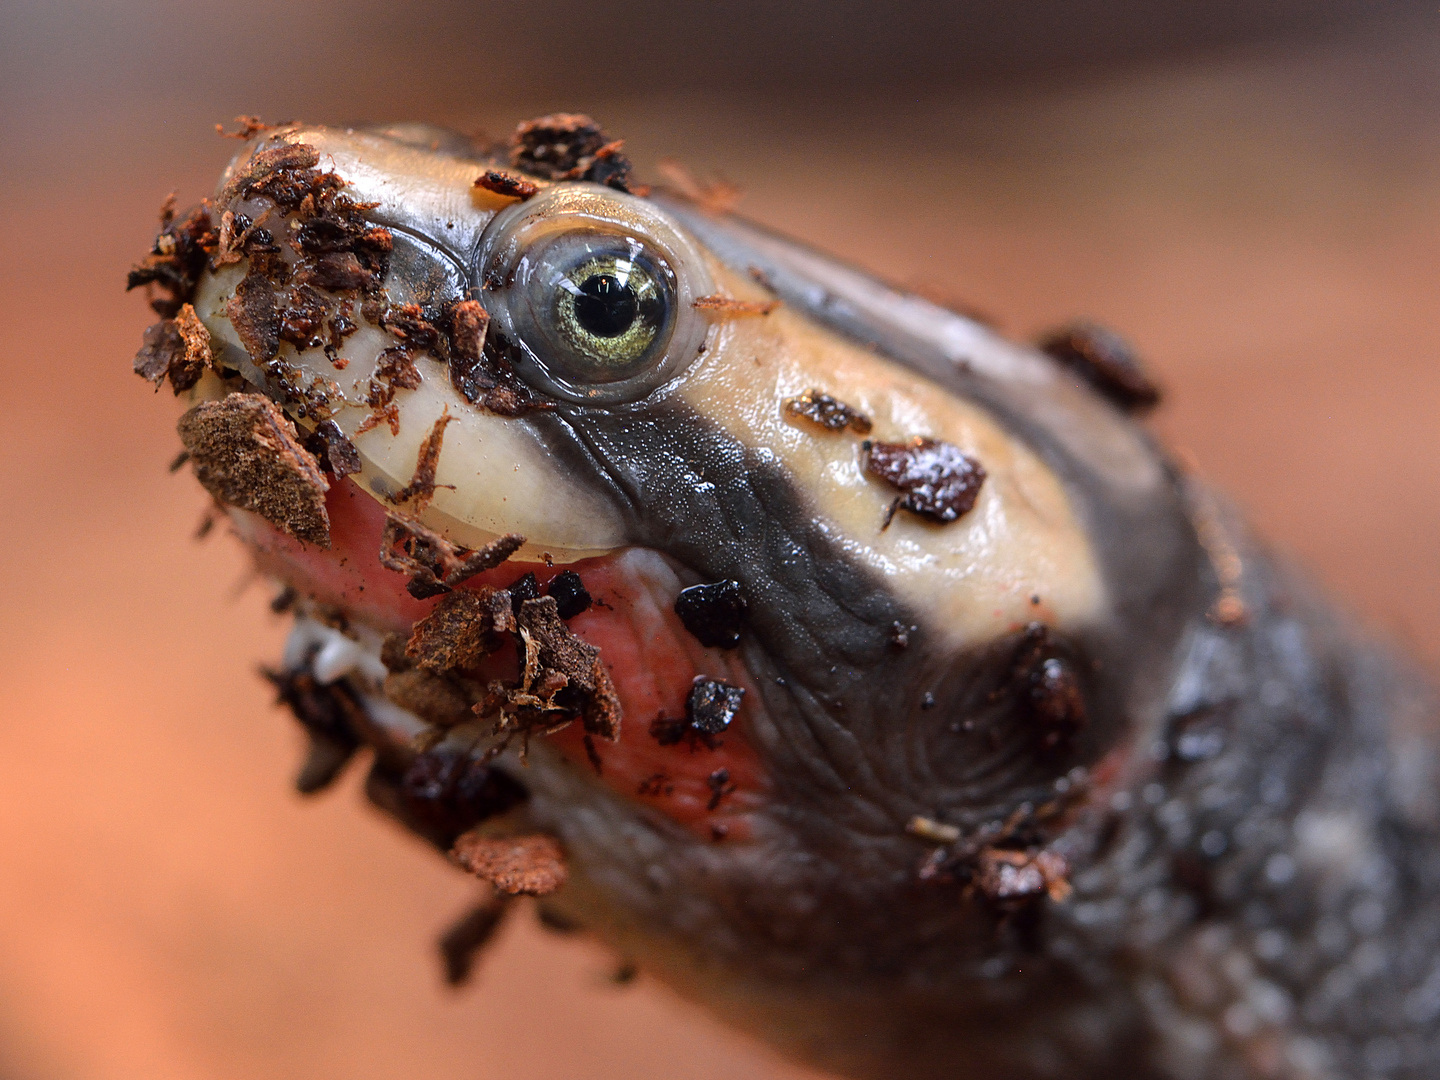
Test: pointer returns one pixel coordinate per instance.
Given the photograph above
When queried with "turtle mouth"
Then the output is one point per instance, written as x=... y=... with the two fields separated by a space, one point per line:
x=367 y=664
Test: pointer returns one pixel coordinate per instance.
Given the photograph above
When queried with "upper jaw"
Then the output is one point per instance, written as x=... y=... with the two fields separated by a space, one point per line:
x=495 y=475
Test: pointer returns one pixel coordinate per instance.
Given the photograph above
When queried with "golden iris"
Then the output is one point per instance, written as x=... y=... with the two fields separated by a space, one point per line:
x=610 y=309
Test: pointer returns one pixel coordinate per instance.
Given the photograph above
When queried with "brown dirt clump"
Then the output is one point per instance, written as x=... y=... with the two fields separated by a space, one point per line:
x=1048 y=689
x=246 y=127
x=255 y=313
x=246 y=453
x=482 y=366
x=462 y=628
x=177 y=258
x=517 y=865
x=713 y=613
x=333 y=449
x=1106 y=361
x=561 y=679
x=433 y=698
x=178 y=347
x=421 y=488
x=569 y=146
x=1008 y=877
x=937 y=480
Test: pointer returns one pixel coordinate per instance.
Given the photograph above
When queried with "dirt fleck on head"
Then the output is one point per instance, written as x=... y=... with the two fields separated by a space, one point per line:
x=569 y=146
x=421 y=488
x=1106 y=361
x=712 y=705
x=437 y=700
x=571 y=596
x=1048 y=687
x=177 y=259
x=936 y=479
x=246 y=127
x=274 y=172
x=1008 y=878
x=338 y=271
x=178 y=347
x=729 y=307
x=561 y=680
x=246 y=453
x=719 y=784
x=333 y=450
x=482 y=366
x=518 y=865
x=434 y=564
x=710 y=709
x=255 y=314
x=506 y=184
x=828 y=412
x=714 y=613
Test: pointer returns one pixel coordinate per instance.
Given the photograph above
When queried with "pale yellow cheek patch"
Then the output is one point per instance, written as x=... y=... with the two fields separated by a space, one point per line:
x=502 y=477
x=974 y=579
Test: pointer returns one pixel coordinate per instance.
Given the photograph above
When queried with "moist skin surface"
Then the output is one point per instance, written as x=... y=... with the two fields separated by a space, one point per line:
x=1012 y=755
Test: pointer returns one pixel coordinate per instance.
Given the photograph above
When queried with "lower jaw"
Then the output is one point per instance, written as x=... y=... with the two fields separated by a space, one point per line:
x=651 y=659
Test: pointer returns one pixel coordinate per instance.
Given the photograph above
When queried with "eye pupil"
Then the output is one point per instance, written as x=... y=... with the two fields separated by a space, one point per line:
x=605 y=307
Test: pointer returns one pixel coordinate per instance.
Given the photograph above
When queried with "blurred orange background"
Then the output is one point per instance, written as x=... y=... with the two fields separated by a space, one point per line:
x=1251 y=193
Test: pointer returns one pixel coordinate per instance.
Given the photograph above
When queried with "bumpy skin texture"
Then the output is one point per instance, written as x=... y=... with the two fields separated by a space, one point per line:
x=1230 y=792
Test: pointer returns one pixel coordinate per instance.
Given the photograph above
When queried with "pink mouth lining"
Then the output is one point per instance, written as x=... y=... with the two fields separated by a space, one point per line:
x=651 y=658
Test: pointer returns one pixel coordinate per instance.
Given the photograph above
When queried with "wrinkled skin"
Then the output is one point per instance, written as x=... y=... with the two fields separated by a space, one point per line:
x=1230 y=794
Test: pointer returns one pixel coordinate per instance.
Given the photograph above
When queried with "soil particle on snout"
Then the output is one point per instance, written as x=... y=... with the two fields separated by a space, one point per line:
x=710 y=709
x=719 y=784
x=1008 y=877
x=1047 y=684
x=713 y=705
x=421 y=488
x=246 y=453
x=333 y=450
x=506 y=184
x=177 y=258
x=571 y=596
x=729 y=307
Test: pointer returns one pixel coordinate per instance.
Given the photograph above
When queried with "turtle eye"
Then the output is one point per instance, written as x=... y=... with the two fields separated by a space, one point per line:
x=597 y=290
x=612 y=305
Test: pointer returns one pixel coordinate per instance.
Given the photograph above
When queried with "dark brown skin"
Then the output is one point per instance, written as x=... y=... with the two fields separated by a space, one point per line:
x=1189 y=836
